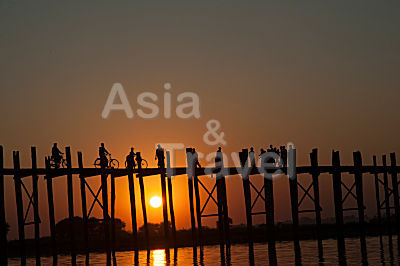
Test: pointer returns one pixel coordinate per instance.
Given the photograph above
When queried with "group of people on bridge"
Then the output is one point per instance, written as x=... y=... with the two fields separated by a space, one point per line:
x=134 y=159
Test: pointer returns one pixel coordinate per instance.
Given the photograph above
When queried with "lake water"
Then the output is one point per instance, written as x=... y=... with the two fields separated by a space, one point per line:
x=378 y=253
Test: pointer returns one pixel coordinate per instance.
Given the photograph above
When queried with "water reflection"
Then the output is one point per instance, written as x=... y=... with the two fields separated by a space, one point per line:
x=159 y=257
x=379 y=250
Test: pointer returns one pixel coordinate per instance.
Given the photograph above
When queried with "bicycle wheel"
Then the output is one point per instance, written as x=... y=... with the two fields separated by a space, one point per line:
x=97 y=163
x=114 y=163
x=144 y=164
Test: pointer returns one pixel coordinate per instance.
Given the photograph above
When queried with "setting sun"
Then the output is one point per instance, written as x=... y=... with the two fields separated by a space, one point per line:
x=155 y=202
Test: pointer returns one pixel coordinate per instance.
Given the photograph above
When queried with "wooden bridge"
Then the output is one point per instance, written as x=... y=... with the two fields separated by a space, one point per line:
x=342 y=193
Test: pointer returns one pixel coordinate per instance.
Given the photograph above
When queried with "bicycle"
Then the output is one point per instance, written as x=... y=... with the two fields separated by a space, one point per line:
x=112 y=163
x=62 y=163
x=144 y=164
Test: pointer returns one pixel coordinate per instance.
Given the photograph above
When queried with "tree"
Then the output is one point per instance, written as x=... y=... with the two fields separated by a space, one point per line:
x=95 y=227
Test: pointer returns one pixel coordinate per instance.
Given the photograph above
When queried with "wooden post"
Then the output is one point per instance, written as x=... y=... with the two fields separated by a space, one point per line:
x=222 y=198
x=35 y=196
x=84 y=206
x=387 y=196
x=50 y=200
x=226 y=214
x=395 y=187
x=113 y=237
x=337 y=195
x=243 y=156
x=164 y=202
x=198 y=208
x=70 y=191
x=358 y=175
x=170 y=198
x=317 y=207
x=377 y=196
x=106 y=217
x=190 y=173
x=20 y=208
x=3 y=222
x=133 y=210
x=359 y=189
x=294 y=194
x=143 y=199
x=220 y=213
x=294 y=198
x=269 y=207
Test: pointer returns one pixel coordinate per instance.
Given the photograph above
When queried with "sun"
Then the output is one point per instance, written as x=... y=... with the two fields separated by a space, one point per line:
x=155 y=202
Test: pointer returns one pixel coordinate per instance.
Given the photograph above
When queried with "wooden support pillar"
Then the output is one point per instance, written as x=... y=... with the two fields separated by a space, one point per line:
x=359 y=190
x=317 y=207
x=198 y=208
x=190 y=174
x=294 y=198
x=358 y=175
x=113 y=236
x=377 y=196
x=70 y=191
x=220 y=212
x=20 y=208
x=35 y=196
x=3 y=222
x=84 y=206
x=143 y=200
x=337 y=195
x=395 y=187
x=222 y=197
x=226 y=214
x=106 y=217
x=269 y=207
x=243 y=156
x=50 y=201
x=387 y=195
x=133 y=210
x=294 y=193
x=170 y=198
x=164 y=202
x=191 y=207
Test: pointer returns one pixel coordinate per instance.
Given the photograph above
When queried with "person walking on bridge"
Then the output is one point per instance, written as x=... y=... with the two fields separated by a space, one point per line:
x=103 y=156
x=130 y=159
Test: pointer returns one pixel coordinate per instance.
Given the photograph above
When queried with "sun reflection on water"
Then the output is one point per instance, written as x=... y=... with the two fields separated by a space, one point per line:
x=159 y=257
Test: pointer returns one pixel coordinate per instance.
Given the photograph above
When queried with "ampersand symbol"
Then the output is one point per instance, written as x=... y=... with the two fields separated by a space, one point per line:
x=213 y=126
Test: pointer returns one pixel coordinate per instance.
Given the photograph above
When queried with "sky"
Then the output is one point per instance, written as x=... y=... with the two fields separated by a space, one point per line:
x=317 y=74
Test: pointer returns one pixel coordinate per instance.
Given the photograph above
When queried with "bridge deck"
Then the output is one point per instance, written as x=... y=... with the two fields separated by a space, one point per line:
x=88 y=172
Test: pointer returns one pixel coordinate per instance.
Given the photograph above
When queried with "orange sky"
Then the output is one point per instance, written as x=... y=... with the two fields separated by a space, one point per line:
x=318 y=75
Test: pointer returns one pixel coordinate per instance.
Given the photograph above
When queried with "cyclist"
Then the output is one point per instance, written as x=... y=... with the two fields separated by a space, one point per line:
x=56 y=155
x=103 y=156
x=130 y=160
x=139 y=159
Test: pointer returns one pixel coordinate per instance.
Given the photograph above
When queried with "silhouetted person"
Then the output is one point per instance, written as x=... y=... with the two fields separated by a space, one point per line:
x=263 y=158
x=262 y=151
x=103 y=156
x=130 y=159
x=272 y=149
x=160 y=156
x=284 y=155
x=195 y=158
x=56 y=155
x=252 y=157
x=219 y=158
